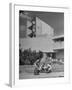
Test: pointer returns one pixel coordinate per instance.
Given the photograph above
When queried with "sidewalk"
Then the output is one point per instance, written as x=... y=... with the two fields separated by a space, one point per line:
x=42 y=75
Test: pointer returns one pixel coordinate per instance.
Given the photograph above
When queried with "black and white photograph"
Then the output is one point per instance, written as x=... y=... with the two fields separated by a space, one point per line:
x=41 y=44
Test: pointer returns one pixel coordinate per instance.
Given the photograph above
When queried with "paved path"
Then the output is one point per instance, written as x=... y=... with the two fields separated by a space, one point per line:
x=42 y=75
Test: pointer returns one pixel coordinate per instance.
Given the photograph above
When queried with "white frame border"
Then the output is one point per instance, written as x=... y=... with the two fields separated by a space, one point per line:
x=14 y=46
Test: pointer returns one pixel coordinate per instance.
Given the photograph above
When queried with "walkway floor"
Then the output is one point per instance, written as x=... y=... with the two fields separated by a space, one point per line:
x=25 y=75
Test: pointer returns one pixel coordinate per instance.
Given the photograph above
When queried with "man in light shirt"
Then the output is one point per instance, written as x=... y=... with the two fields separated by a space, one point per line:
x=43 y=60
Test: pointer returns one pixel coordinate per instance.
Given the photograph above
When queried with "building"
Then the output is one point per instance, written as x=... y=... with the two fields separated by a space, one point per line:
x=36 y=34
x=58 y=46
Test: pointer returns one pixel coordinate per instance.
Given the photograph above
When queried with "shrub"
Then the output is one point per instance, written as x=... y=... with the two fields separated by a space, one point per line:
x=28 y=57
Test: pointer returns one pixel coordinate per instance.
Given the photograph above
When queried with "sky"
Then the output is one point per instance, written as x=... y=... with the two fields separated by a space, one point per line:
x=54 y=19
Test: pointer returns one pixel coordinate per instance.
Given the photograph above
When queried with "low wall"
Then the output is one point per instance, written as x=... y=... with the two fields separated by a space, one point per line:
x=30 y=68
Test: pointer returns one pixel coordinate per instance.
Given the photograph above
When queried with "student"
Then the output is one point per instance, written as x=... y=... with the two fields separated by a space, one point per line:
x=43 y=60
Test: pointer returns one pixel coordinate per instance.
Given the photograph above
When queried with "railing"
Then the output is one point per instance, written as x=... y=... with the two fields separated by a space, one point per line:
x=59 y=45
